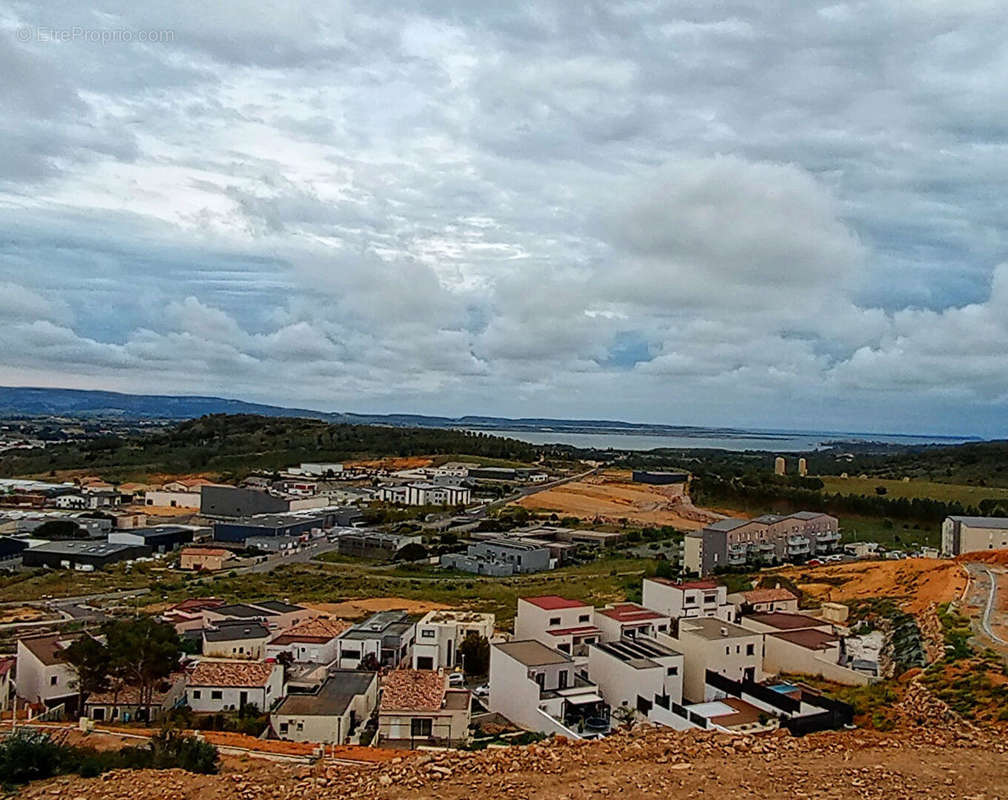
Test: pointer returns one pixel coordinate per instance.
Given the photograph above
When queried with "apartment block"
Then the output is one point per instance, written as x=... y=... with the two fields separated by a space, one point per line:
x=973 y=534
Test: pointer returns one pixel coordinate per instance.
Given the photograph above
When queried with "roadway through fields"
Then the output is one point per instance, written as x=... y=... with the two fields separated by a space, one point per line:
x=983 y=595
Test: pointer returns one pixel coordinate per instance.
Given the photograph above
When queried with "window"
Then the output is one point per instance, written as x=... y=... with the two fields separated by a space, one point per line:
x=554 y=621
x=672 y=671
x=216 y=694
x=300 y=726
x=584 y=618
x=562 y=680
x=421 y=727
x=750 y=649
x=283 y=727
x=563 y=648
x=427 y=633
x=197 y=694
x=663 y=627
x=54 y=680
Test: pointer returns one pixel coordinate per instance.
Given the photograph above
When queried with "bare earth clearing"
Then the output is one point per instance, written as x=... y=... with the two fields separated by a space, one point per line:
x=612 y=496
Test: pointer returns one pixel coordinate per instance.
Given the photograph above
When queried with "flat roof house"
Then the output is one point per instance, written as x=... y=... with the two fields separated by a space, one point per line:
x=313 y=641
x=230 y=685
x=387 y=635
x=721 y=647
x=539 y=688
x=559 y=623
x=678 y=599
x=238 y=639
x=637 y=673
x=439 y=634
x=330 y=713
x=418 y=708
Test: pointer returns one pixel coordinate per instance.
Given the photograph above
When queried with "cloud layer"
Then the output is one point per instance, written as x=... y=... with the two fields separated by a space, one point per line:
x=787 y=215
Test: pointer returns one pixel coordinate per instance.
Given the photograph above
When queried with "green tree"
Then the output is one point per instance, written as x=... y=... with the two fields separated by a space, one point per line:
x=475 y=652
x=90 y=658
x=411 y=552
x=143 y=652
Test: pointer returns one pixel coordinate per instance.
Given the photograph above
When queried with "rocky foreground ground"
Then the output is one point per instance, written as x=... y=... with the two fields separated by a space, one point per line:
x=930 y=755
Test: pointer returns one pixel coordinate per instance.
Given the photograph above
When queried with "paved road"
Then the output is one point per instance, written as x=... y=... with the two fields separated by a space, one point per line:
x=991 y=606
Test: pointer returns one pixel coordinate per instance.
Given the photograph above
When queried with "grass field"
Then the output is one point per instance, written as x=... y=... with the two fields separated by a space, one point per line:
x=948 y=492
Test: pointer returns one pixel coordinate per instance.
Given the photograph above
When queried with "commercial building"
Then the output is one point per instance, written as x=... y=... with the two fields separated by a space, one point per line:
x=206 y=559
x=499 y=557
x=426 y=494
x=187 y=500
x=160 y=538
x=216 y=686
x=418 y=708
x=973 y=534
x=768 y=539
x=279 y=525
x=539 y=688
x=387 y=636
x=374 y=544
x=81 y=555
x=677 y=599
x=330 y=713
x=439 y=634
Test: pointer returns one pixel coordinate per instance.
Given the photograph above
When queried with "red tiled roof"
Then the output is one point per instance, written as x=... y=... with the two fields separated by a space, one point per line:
x=413 y=690
x=232 y=673
x=553 y=602
x=586 y=629
x=768 y=595
x=129 y=694
x=318 y=630
x=629 y=612
x=198 y=604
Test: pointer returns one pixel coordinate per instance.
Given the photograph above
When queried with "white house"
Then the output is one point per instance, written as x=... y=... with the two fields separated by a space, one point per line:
x=418 y=708
x=764 y=601
x=228 y=685
x=237 y=639
x=636 y=673
x=537 y=687
x=688 y=599
x=630 y=620
x=386 y=635
x=331 y=713
x=313 y=641
x=439 y=634
x=713 y=644
x=559 y=623
x=42 y=676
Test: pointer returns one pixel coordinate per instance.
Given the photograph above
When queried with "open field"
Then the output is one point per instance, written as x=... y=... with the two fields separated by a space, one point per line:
x=914 y=583
x=611 y=496
x=947 y=492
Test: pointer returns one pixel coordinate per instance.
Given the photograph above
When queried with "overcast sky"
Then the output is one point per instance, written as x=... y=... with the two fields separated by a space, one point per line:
x=757 y=214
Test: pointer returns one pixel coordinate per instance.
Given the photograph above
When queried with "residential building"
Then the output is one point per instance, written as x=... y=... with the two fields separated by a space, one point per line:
x=426 y=494
x=188 y=615
x=764 y=601
x=123 y=704
x=722 y=647
x=630 y=620
x=678 y=599
x=216 y=686
x=418 y=708
x=331 y=712
x=236 y=639
x=387 y=635
x=636 y=673
x=205 y=559
x=81 y=555
x=313 y=641
x=769 y=539
x=539 y=688
x=277 y=615
x=6 y=673
x=439 y=634
x=499 y=557
x=972 y=534
x=42 y=676
x=577 y=536
x=159 y=538
x=561 y=624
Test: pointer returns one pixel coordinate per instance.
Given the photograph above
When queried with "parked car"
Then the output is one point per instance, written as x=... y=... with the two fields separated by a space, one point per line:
x=456 y=679
x=482 y=691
